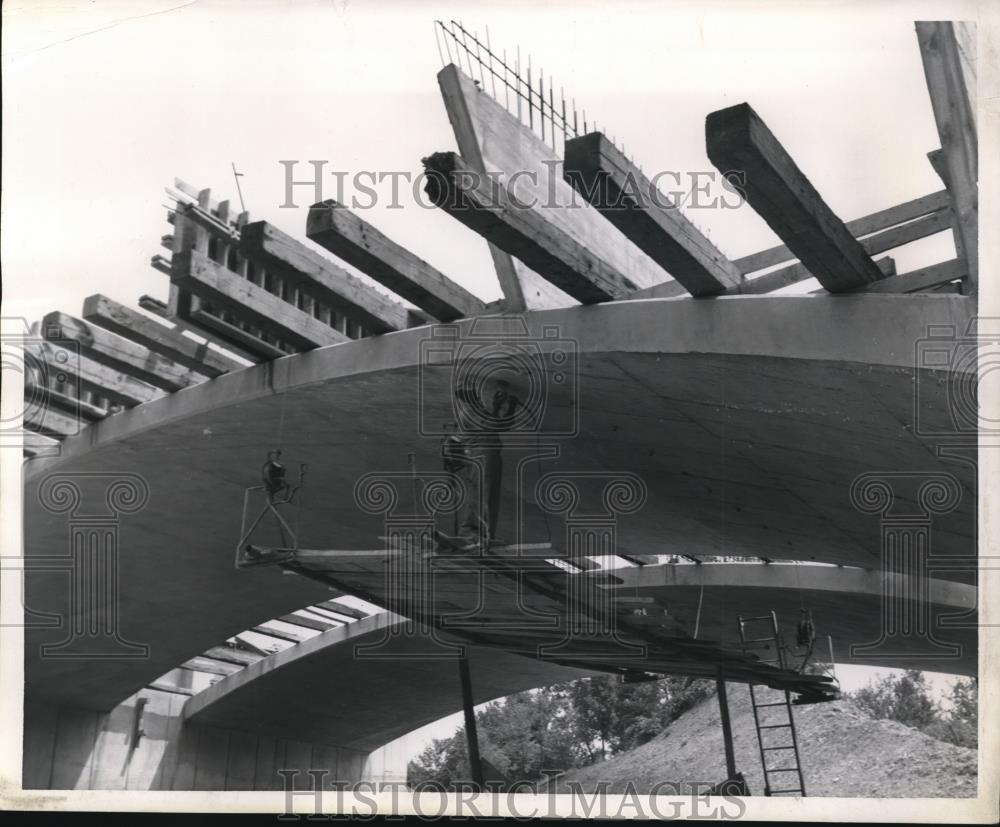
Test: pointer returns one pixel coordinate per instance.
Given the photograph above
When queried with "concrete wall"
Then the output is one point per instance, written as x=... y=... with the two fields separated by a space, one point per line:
x=66 y=748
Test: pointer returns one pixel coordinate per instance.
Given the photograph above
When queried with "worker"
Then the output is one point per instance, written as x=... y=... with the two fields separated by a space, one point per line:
x=273 y=475
x=278 y=491
x=474 y=456
x=503 y=410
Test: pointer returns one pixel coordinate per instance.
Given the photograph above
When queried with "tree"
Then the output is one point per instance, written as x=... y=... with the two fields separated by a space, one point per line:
x=444 y=762
x=961 y=724
x=905 y=698
x=561 y=726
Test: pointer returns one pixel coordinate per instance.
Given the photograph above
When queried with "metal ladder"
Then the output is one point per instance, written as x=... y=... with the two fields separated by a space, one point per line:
x=772 y=713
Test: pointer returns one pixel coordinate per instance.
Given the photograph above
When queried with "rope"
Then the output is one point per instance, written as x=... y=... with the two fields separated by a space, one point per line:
x=701 y=596
x=798 y=585
x=281 y=419
x=538 y=478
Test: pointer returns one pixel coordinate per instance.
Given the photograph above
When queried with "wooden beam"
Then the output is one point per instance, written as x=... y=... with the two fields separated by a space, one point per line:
x=778 y=190
x=456 y=103
x=271 y=631
x=199 y=275
x=187 y=322
x=309 y=622
x=866 y=225
x=63 y=402
x=775 y=280
x=482 y=205
x=118 y=353
x=793 y=274
x=199 y=663
x=937 y=161
x=153 y=305
x=322 y=279
x=161 y=263
x=230 y=654
x=213 y=327
x=357 y=242
x=170 y=344
x=340 y=608
x=120 y=388
x=954 y=105
x=905 y=233
x=35 y=445
x=49 y=421
x=880 y=242
x=173 y=689
x=597 y=169
x=925 y=278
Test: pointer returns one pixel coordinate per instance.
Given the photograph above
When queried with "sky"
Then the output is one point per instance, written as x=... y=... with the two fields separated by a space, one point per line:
x=105 y=102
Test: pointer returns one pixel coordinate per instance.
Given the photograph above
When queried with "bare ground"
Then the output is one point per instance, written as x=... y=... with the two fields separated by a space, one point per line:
x=845 y=753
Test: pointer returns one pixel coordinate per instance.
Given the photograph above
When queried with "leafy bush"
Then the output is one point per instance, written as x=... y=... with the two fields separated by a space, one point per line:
x=562 y=726
x=906 y=698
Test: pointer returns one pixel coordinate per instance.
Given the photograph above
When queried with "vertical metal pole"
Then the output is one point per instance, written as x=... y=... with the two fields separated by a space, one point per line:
x=471 y=735
x=506 y=83
x=727 y=731
x=518 y=81
x=541 y=102
x=489 y=54
x=552 y=112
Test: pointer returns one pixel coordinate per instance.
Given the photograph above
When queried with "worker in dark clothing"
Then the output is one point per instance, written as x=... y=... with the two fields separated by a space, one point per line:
x=503 y=408
x=278 y=492
x=273 y=475
x=474 y=455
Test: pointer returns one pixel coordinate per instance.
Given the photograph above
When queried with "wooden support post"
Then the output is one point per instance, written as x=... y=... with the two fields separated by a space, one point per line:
x=779 y=191
x=623 y=195
x=201 y=276
x=171 y=344
x=951 y=84
x=482 y=205
x=727 y=730
x=333 y=226
x=322 y=279
x=469 y=710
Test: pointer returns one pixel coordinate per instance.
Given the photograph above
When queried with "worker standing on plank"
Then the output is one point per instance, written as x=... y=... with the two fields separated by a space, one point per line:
x=474 y=455
x=273 y=475
x=503 y=408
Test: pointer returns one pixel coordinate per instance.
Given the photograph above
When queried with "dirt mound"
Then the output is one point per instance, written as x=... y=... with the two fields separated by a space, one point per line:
x=845 y=753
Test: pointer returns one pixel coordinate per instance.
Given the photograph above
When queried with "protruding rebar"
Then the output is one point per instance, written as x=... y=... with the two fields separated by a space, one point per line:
x=489 y=53
x=541 y=102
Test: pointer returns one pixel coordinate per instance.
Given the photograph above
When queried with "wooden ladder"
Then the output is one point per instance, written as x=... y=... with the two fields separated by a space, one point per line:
x=772 y=712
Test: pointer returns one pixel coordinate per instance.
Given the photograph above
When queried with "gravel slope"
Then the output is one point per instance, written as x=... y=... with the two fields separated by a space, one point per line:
x=845 y=753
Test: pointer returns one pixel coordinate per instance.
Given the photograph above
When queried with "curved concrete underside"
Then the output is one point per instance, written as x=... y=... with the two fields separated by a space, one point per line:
x=748 y=418
x=325 y=686
x=846 y=604
x=291 y=694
